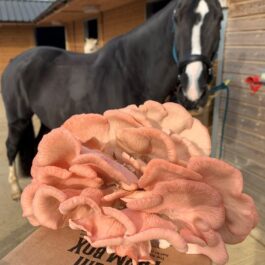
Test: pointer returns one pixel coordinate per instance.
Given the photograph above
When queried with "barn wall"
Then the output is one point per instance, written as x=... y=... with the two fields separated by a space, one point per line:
x=123 y=19
x=75 y=36
x=245 y=129
x=111 y=24
x=13 y=41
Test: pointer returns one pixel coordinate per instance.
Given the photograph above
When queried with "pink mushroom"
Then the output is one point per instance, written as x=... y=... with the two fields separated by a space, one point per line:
x=98 y=126
x=158 y=170
x=140 y=228
x=183 y=200
x=147 y=142
x=138 y=174
x=58 y=148
x=241 y=214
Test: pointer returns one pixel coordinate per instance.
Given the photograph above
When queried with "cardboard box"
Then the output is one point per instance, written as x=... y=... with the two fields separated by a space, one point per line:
x=68 y=247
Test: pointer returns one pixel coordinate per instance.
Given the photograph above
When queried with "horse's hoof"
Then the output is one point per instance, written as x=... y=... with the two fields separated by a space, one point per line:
x=16 y=195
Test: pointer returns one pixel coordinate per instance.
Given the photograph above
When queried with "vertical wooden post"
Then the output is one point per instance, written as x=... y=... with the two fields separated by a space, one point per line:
x=215 y=141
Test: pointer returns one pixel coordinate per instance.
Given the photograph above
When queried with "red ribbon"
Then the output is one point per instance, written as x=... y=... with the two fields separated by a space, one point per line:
x=254 y=82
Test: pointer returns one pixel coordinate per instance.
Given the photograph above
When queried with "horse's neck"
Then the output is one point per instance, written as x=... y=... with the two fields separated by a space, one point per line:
x=152 y=43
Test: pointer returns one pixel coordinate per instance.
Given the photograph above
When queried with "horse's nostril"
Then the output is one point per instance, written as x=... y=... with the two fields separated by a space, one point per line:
x=192 y=105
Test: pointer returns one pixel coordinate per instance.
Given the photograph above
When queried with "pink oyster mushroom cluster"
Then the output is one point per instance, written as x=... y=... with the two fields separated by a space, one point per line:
x=138 y=174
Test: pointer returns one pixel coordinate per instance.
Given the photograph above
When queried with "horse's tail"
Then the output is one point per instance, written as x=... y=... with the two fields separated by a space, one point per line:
x=26 y=150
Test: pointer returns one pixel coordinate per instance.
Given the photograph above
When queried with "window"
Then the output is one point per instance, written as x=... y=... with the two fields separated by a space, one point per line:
x=50 y=36
x=92 y=29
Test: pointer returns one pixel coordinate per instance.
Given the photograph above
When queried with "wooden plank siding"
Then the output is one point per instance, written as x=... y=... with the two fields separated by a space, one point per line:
x=238 y=82
x=244 y=144
x=13 y=41
x=251 y=38
x=123 y=19
x=75 y=36
x=256 y=22
x=111 y=23
x=245 y=8
x=248 y=53
x=245 y=109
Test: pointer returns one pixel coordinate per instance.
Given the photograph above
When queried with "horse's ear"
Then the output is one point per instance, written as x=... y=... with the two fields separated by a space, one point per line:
x=218 y=8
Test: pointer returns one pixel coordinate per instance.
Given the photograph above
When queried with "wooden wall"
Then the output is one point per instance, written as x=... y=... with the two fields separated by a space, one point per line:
x=245 y=130
x=112 y=23
x=122 y=19
x=75 y=36
x=13 y=41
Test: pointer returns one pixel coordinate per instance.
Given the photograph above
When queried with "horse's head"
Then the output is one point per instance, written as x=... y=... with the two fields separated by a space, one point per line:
x=197 y=26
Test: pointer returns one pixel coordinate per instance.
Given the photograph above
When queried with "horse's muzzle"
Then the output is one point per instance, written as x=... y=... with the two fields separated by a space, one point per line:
x=179 y=97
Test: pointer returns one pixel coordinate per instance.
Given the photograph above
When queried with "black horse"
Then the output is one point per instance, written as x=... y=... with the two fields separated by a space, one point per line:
x=172 y=49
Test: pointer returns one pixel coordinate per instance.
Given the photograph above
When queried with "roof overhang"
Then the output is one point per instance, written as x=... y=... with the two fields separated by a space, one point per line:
x=73 y=10
x=17 y=24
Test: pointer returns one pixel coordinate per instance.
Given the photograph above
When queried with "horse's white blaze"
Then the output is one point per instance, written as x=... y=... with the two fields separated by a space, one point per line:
x=194 y=70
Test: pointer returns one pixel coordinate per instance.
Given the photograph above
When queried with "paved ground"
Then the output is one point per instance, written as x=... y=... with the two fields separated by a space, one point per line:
x=13 y=228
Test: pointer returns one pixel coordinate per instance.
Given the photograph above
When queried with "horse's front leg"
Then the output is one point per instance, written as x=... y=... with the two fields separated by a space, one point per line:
x=13 y=182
